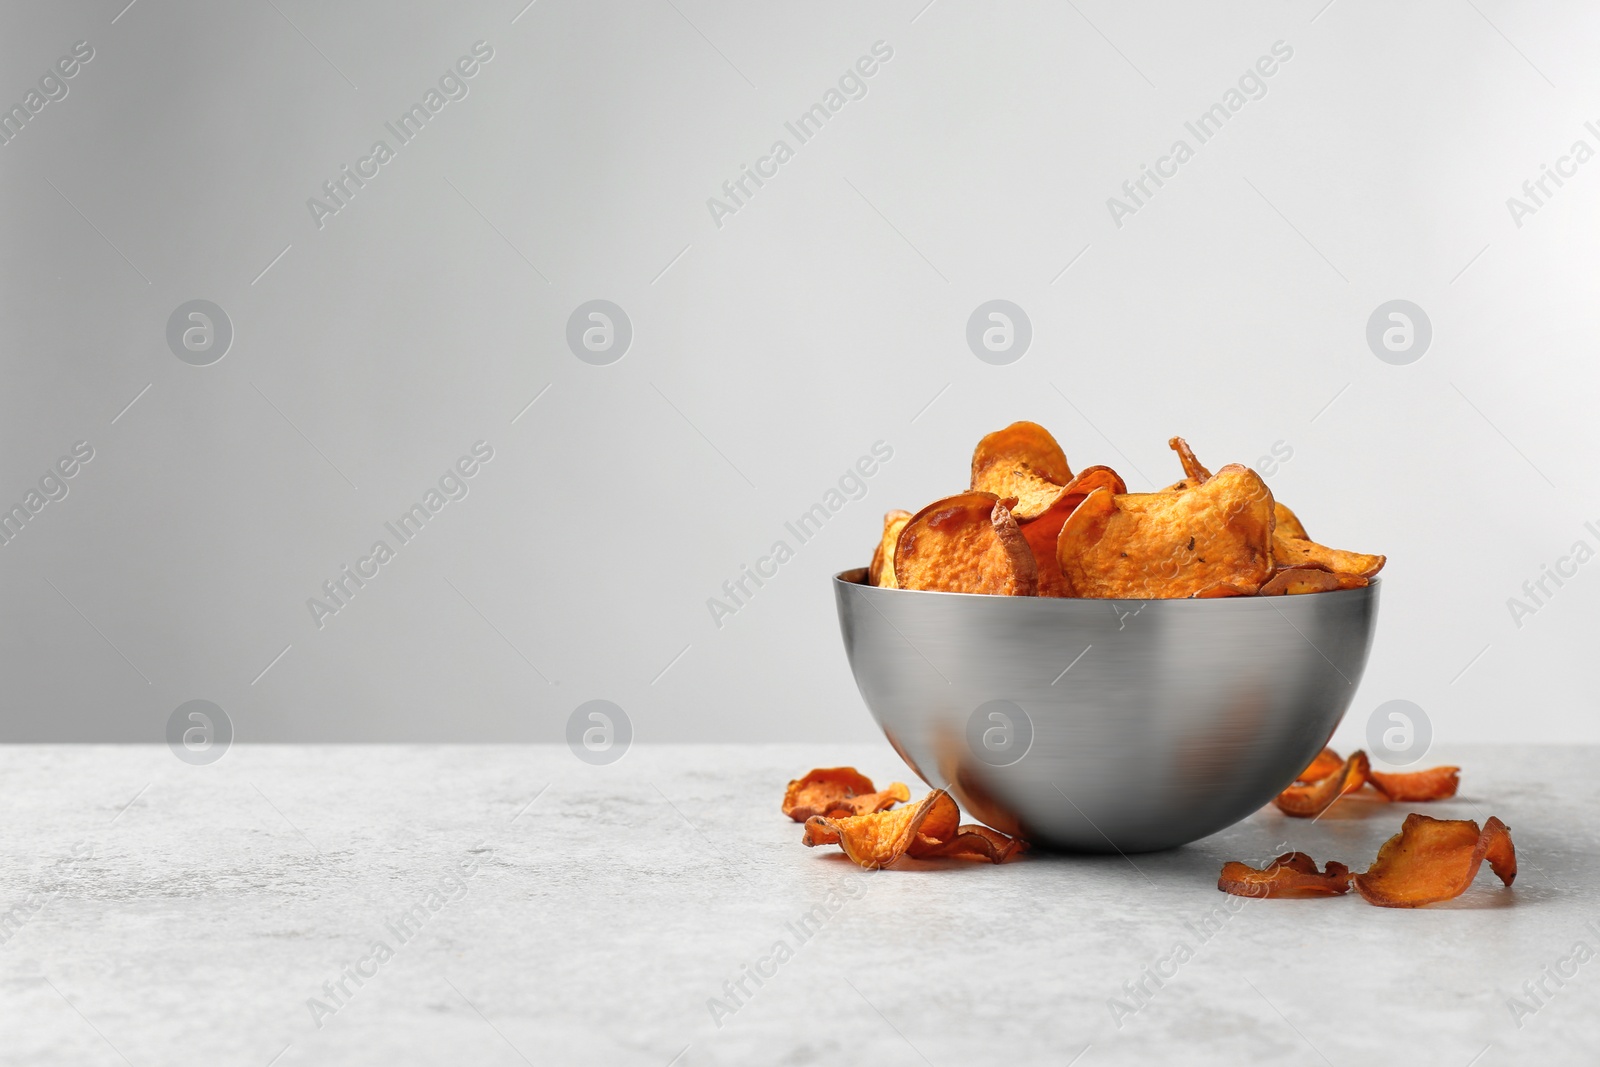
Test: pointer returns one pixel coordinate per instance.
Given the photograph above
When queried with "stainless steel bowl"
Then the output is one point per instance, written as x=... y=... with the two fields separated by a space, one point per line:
x=1106 y=725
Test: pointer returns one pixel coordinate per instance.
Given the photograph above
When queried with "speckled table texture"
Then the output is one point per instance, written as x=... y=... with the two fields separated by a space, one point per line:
x=509 y=904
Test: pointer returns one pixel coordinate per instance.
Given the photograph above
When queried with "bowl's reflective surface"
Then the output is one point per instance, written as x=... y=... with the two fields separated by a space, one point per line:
x=1093 y=725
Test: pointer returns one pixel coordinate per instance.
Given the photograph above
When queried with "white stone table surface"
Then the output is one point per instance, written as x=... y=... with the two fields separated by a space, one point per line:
x=168 y=914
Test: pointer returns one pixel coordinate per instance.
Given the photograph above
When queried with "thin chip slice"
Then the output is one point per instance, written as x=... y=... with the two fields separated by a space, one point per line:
x=1295 y=552
x=1194 y=471
x=1165 y=545
x=1312 y=799
x=1289 y=523
x=929 y=829
x=1326 y=763
x=1087 y=481
x=1021 y=461
x=1293 y=874
x=1431 y=860
x=839 y=791
x=875 y=840
x=1292 y=581
x=969 y=841
x=1041 y=533
x=1435 y=783
x=881 y=571
x=967 y=543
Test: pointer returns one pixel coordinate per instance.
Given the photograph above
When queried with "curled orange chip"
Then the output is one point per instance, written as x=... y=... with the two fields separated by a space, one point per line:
x=1290 y=581
x=877 y=840
x=881 y=572
x=967 y=543
x=1289 y=523
x=1293 y=874
x=1194 y=472
x=1043 y=532
x=1431 y=860
x=1436 y=783
x=1163 y=545
x=1326 y=763
x=1314 y=798
x=928 y=829
x=1021 y=461
x=838 y=791
x=1295 y=552
x=979 y=842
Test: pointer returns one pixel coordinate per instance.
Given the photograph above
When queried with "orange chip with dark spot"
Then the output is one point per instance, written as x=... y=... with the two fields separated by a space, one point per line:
x=929 y=829
x=1314 y=798
x=881 y=571
x=838 y=791
x=1326 y=763
x=1293 y=874
x=967 y=543
x=1165 y=545
x=1431 y=860
x=1435 y=783
x=1292 y=581
x=1021 y=461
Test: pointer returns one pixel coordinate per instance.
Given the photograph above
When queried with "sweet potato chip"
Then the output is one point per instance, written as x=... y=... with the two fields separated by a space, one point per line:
x=967 y=543
x=1206 y=535
x=1293 y=874
x=881 y=571
x=1295 y=552
x=1194 y=473
x=1436 y=783
x=1087 y=481
x=1431 y=860
x=1021 y=461
x=1042 y=533
x=1314 y=798
x=1164 y=545
x=1289 y=523
x=929 y=829
x=877 y=840
x=1291 y=581
x=838 y=791
x=1326 y=763
x=979 y=842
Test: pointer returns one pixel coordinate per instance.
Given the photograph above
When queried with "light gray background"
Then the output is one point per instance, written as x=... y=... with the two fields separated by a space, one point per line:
x=769 y=353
